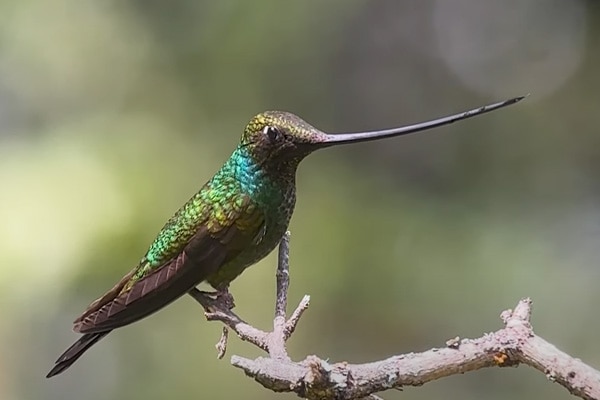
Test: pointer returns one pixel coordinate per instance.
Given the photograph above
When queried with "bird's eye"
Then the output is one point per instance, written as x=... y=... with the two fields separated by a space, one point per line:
x=271 y=132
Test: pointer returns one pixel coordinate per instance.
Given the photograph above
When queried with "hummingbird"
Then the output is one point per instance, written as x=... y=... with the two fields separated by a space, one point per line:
x=237 y=218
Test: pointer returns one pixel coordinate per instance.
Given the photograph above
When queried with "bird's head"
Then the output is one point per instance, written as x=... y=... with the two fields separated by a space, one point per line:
x=275 y=137
x=279 y=138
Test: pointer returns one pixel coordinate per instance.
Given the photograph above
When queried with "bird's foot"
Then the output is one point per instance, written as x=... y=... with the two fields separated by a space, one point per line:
x=222 y=296
x=225 y=297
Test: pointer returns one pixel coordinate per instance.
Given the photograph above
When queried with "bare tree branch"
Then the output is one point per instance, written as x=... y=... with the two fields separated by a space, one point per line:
x=314 y=378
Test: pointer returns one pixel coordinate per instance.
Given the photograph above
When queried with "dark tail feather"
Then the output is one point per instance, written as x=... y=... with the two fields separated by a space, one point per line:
x=76 y=350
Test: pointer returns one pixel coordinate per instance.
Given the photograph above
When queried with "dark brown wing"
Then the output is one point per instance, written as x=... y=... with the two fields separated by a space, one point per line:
x=201 y=257
x=107 y=297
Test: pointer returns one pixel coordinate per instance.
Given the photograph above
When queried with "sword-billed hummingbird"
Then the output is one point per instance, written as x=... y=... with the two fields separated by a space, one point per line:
x=235 y=220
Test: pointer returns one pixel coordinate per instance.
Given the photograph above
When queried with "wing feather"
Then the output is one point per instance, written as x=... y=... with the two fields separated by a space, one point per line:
x=203 y=254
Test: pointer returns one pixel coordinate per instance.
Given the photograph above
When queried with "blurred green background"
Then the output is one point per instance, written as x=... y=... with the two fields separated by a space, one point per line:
x=113 y=113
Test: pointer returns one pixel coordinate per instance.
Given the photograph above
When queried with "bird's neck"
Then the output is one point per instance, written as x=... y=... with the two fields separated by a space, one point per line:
x=267 y=184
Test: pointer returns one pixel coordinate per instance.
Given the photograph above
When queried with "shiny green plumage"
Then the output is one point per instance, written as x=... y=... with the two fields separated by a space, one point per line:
x=240 y=194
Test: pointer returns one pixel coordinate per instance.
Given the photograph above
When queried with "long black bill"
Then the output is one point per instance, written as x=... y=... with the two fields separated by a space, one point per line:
x=342 y=138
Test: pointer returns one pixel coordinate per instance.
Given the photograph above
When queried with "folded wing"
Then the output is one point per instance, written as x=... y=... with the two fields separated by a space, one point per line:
x=216 y=242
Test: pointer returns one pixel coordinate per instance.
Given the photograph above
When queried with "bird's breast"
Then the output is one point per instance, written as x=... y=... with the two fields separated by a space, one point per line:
x=277 y=206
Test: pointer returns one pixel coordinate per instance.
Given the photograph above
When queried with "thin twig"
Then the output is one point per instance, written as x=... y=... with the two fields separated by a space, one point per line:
x=283 y=275
x=221 y=345
x=277 y=339
x=290 y=325
x=217 y=311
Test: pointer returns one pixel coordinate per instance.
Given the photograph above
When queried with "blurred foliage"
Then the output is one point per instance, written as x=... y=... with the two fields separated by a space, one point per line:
x=113 y=113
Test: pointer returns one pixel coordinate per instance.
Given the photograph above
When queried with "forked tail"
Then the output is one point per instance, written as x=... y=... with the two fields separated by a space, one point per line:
x=76 y=350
